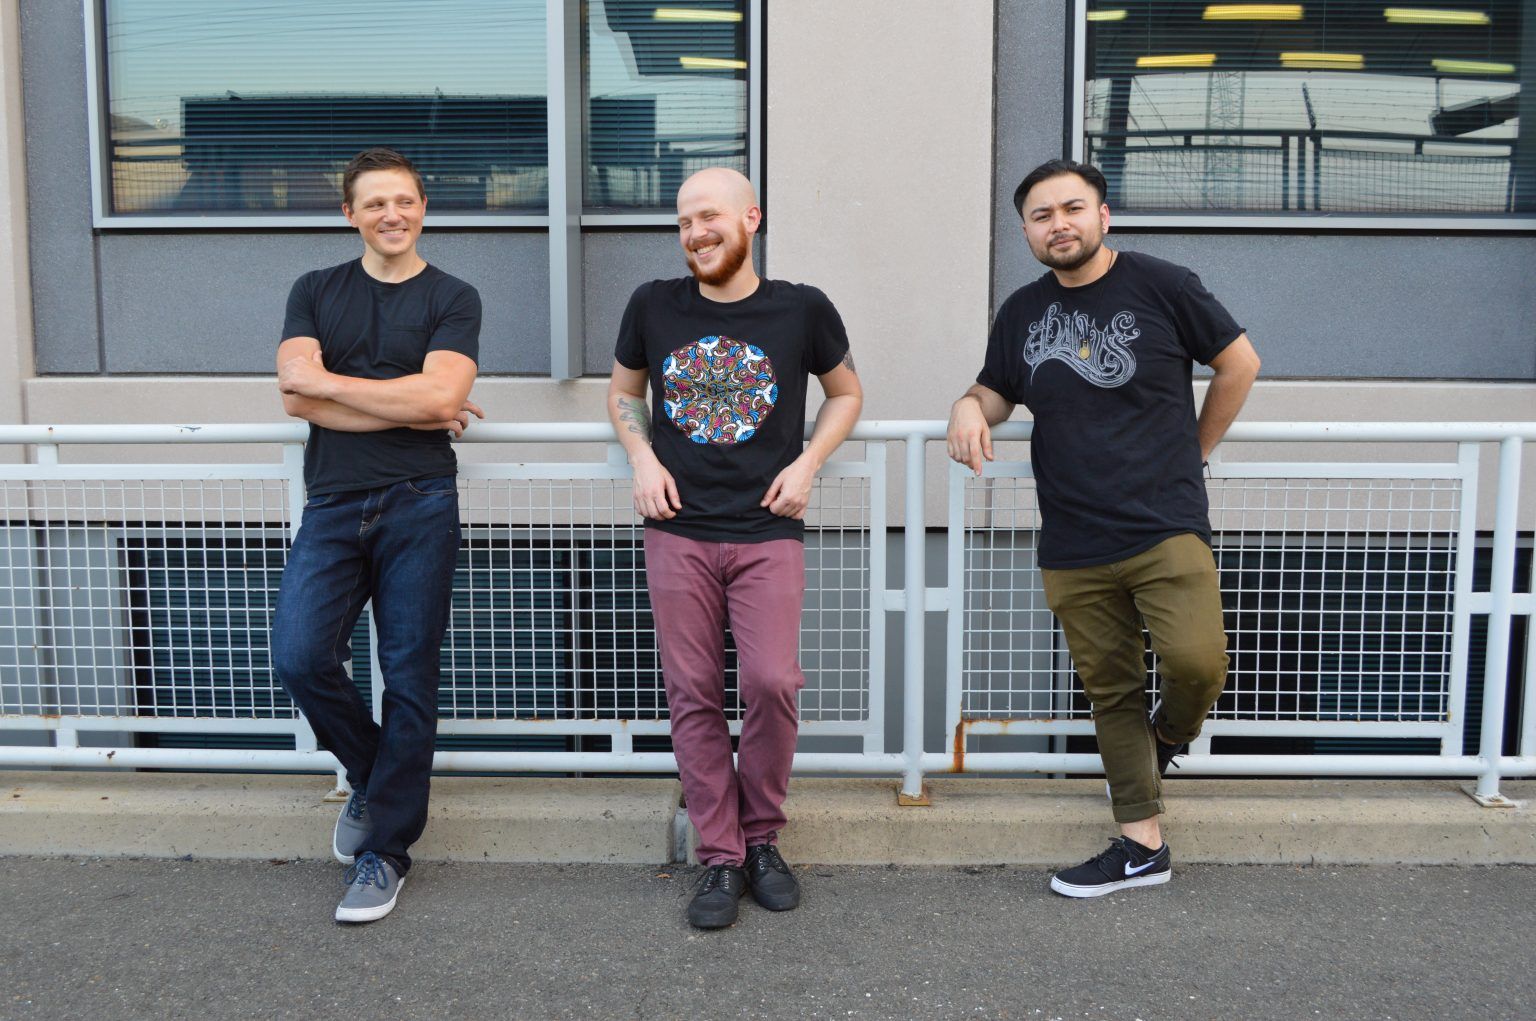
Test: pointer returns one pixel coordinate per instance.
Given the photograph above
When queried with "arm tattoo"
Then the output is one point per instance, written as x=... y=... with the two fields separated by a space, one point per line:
x=848 y=360
x=634 y=412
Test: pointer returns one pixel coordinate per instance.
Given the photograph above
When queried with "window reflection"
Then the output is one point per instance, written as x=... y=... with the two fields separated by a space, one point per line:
x=1314 y=107
x=255 y=108
x=666 y=95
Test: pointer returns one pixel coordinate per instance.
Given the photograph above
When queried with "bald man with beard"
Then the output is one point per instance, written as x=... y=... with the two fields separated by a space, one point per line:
x=722 y=477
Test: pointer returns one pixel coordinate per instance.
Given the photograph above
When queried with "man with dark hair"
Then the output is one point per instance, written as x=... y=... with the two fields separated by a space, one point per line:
x=723 y=480
x=1100 y=350
x=378 y=355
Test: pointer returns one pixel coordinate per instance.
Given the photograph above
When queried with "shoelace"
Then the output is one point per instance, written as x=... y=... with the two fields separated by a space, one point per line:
x=1116 y=854
x=718 y=876
x=357 y=804
x=368 y=871
x=766 y=857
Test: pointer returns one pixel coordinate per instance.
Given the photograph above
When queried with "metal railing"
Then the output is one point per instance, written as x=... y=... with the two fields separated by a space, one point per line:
x=136 y=601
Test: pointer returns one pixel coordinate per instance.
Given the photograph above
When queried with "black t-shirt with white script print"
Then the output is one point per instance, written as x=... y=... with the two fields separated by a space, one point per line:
x=728 y=383
x=370 y=329
x=1105 y=369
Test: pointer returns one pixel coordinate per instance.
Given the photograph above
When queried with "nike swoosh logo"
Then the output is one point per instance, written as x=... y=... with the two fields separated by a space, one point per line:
x=1138 y=869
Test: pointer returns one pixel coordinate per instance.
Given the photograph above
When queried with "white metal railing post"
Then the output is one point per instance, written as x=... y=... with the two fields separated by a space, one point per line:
x=914 y=619
x=1501 y=590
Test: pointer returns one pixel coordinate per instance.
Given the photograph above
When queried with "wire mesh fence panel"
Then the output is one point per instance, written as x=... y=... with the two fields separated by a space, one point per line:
x=141 y=598
x=1339 y=598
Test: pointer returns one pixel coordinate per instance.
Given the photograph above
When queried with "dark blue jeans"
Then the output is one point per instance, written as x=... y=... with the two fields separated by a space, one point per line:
x=398 y=545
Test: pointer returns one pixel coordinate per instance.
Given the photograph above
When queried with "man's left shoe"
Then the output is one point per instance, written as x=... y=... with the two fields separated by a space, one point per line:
x=773 y=882
x=1166 y=753
x=372 y=886
x=1124 y=864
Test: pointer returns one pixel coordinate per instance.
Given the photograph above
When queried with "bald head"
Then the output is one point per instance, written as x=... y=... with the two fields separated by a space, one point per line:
x=717 y=186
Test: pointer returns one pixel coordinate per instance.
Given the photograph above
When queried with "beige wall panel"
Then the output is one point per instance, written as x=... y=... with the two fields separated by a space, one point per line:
x=15 y=289
x=879 y=150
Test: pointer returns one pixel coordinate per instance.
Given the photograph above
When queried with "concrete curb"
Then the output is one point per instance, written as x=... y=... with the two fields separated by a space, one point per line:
x=832 y=821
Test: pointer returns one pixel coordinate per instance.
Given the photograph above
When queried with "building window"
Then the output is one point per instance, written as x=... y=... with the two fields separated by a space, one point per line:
x=254 y=109
x=1289 y=110
x=666 y=94
x=233 y=112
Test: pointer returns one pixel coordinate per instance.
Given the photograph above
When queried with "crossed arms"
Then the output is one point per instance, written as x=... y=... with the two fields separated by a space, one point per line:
x=434 y=399
x=655 y=492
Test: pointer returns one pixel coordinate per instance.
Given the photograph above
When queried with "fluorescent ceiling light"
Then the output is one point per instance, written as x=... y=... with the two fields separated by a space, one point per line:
x=694 y=14
x=1178 y=60
x=1253 y=12
x=1324 y=61
x=711 y=64
x=1106 y=15
x=1471 y=67
x=1431 y=16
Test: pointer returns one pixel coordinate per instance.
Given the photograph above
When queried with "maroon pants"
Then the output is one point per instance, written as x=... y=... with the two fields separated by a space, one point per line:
x=758 y=588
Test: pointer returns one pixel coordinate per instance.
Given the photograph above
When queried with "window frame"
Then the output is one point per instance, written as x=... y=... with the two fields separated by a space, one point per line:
x=1301 y=220
x=565 y=104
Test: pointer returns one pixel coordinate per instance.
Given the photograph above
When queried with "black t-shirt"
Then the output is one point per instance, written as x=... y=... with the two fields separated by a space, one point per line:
x=370 y=329
x=728 y=384
x=1105 y=370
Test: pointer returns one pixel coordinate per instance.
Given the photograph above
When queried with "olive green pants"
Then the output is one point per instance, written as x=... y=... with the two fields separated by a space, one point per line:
x=1172 y=587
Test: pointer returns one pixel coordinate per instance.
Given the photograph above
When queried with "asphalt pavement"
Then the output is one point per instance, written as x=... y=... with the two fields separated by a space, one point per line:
x=116 y=938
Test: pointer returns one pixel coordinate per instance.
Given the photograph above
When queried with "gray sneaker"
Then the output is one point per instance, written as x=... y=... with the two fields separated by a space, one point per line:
x=372 y=886
x=352 y=828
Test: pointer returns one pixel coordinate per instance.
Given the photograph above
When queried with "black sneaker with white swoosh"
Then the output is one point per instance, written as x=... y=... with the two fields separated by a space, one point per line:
x=1123 y=864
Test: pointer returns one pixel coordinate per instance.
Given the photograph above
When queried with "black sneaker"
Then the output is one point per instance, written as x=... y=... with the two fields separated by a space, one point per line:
x=716 y=903
x=1166 y=753
x=1124 y=864
x=773 y=883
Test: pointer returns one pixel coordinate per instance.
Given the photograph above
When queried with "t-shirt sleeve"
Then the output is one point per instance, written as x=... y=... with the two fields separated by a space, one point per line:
x=629 y=351
x=299 y=320
x=1205 y=326
x=829 y=338
x=995 y=374
x=459 y=328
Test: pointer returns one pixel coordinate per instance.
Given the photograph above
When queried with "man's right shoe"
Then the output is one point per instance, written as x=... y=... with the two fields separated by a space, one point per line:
x=773 y=883
x=717 y=901
x=352 y=828
x=1124 y=864
x=372 y=886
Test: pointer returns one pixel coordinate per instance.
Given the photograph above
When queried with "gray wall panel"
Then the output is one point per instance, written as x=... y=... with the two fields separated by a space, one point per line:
x=1367 y=307
x=214 y=302
x=614 y=264
x=1343 y=305
x=59 y=186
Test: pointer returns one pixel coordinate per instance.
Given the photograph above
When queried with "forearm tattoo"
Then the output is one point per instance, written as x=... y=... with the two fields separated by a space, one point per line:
x=634 y=413
x=848 y=361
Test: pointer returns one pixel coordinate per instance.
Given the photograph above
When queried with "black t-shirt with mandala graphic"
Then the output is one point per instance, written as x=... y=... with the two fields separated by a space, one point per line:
x=728 y=383
x=1105 y=370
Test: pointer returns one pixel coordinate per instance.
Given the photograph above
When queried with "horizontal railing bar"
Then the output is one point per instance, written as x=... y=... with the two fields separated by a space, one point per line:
x=887 y=429
x=804 y=764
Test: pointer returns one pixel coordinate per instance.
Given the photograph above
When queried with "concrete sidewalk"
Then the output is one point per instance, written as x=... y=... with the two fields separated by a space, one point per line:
x=832 y=821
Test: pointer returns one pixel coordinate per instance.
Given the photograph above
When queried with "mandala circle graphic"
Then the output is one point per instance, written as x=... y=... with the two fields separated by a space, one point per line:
x=718 y=390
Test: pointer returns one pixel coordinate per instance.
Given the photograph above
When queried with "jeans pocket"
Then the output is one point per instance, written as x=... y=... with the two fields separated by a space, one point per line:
x=437 y=486
x=323 y=500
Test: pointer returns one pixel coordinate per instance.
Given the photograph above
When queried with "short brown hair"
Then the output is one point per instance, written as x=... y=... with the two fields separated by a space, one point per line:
x=378 y=158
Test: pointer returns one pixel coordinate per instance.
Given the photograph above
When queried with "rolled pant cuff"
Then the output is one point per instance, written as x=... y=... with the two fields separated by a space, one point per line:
x=1139 y=811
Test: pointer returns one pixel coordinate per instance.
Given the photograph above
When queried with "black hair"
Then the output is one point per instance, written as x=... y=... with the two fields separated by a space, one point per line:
x=1056 y=168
